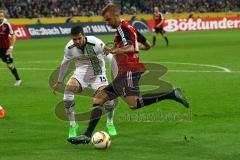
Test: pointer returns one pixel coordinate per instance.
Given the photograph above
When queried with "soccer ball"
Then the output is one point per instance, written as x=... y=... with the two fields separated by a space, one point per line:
x=101 y=140
x=2 y=112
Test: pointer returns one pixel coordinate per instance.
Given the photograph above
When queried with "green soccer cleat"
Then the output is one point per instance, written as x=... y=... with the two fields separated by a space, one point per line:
x=73 y=131
x=111 y=129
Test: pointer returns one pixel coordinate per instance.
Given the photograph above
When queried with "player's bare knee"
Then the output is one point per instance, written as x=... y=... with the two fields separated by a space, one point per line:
x=71 y=88
x=132 y=105
x=68 y=88
x=131 y=101
x=100 y=98
x=96 y=101
x=10 y=66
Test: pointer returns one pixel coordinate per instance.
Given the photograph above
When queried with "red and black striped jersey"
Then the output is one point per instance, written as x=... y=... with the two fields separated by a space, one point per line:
x=158 y=18
x=128 y=35
x=5 y=31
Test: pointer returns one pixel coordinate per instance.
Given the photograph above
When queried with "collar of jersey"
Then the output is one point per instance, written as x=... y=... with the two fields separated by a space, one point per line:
x=122 y=20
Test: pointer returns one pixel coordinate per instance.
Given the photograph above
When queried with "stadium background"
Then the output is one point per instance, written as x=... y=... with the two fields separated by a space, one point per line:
x=205 y=64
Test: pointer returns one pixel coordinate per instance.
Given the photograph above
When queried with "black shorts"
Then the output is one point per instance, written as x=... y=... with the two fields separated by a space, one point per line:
x=159 y=30
x=124 y=85
x=5 y=58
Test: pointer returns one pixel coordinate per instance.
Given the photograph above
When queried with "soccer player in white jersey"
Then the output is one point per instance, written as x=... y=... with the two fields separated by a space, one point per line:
x=87 y=52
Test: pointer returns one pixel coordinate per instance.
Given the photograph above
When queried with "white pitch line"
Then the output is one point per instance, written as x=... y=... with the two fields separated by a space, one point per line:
x=222 y=69
x=31 y=69
x=194 y=64
x=181 y=63
x=37 y=62
x=199 y=71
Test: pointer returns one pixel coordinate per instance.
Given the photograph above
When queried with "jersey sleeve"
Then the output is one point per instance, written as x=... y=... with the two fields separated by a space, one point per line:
x=67 y=54
x=161 y=17
x=141 y=38
x=99 y=45
x=9 y=27
x=125 y=36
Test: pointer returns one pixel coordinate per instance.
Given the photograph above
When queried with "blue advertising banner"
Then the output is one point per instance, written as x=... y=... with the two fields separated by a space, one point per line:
x=63 y=30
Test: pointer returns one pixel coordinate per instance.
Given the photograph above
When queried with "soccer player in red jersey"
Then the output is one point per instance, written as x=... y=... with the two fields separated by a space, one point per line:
x=7 y=41
x=158 y=26
x=127 y=41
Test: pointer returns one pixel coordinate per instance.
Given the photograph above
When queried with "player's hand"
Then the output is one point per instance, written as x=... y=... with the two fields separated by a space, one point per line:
x=56 y=87
x=114 y=50
x=159 y=25
x=106 y=50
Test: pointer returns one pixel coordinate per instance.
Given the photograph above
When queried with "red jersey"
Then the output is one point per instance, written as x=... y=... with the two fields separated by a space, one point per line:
x=5 y=31
x=128 y=35
x=158 y=17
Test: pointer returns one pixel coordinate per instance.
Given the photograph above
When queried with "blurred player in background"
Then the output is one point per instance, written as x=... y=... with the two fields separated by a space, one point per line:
x=7 y=41
x=158 y=26
x=127 y=41
x=87 y=52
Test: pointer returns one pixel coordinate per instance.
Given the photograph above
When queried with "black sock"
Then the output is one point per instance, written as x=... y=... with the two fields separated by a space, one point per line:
x=151 y=98
x=14 y=72
x=94 y=118
x=154 y=40
x=166 y=39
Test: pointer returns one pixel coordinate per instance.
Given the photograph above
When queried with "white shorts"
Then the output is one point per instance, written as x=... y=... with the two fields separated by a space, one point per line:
x=95 y=81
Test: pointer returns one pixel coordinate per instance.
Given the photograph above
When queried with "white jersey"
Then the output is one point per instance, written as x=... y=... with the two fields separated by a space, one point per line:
x=89 y=58
x=89 y=63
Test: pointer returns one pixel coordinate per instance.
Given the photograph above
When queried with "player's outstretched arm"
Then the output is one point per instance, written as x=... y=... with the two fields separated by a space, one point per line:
x=62 y=73
x=12 y=42
x=123 y=50
x=144 y=44
x=159 y=24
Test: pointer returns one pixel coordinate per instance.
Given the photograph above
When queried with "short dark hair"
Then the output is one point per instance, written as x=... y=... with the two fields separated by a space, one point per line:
x=112 y=8
x=76 y=30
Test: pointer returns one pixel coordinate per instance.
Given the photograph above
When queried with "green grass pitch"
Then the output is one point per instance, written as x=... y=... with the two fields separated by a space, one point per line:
x=205 y=64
